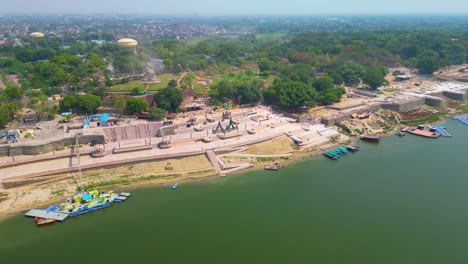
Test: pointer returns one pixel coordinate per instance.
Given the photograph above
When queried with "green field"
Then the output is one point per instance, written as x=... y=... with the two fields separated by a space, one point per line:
x=165 y=78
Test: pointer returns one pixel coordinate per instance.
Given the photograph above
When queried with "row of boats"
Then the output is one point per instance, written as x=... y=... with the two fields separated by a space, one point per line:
x=335 y=154
x=81 y=203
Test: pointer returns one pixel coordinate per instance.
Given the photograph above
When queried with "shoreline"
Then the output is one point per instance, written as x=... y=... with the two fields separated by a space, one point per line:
x=203 y=175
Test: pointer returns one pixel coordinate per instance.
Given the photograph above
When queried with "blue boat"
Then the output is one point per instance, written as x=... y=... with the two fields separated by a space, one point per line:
x=333 y=153
x=330 y=156
x=175 y=185
x=89 y=210
x=343 y=150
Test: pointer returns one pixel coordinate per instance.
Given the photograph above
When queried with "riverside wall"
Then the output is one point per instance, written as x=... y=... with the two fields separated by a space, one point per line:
x=30 y=149
x=397 y=107
x=458 y=96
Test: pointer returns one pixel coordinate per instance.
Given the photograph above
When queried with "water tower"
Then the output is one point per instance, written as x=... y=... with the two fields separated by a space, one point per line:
x=128 y=44
x=36 y=36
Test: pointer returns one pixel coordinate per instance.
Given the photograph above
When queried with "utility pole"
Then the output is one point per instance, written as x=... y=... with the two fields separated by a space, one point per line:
x=78 y=157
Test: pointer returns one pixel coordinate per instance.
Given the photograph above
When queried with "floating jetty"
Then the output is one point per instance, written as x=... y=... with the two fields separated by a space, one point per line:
x=424 y=132
x=463 y=119
x=442 y=130
x=42 y=213
x=79 y=204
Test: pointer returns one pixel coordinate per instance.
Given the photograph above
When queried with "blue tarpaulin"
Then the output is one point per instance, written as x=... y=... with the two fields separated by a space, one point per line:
x=104 y=117
x=87 y=197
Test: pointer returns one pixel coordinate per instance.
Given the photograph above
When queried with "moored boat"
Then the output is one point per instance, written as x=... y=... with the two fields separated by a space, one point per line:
x=44 y=221
x=175 y=185
x=370 y=138
x=352 y=148
x=400 y=134
x=273 y=168
x=330 y=156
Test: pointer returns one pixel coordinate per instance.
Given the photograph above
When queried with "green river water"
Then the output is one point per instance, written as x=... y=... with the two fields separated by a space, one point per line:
x=404 y=200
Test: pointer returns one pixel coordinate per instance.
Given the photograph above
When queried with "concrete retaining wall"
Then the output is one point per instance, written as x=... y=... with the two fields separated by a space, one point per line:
x=364 y=93
x=397 y=107
x=435 y=102
x=459 y=96
x=403 y=107
x=16 y=150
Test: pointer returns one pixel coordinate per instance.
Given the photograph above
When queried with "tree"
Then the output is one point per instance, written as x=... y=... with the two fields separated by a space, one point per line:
x=248 y=93
x=172 y=83
x=290 y=94
x=89 y=103
x=13 y=92
x=323 y=84
x=69 y=103
x=135 y=90
x=169 y=99
x=352 y=73
x=120 y=104
x=4 y=117
x=375 y=77
x=222 y=90
x=428 y=62
x=136 y=105
x=156 y=113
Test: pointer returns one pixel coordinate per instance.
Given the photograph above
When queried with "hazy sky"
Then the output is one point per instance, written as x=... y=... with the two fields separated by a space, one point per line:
x=213 y=7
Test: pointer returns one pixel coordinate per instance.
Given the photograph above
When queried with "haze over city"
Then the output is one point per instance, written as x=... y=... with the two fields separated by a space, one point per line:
x=214 y=7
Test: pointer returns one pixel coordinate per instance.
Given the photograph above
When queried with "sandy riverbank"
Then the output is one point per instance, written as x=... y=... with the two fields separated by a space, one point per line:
x=20 y=195
x=23 y=194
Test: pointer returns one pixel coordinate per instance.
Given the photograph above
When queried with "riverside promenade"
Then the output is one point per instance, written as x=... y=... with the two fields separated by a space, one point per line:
x=184 y=145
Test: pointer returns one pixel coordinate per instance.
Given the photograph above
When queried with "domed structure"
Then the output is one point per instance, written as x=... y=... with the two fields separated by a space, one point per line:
x=127 y=43
x=36 y=35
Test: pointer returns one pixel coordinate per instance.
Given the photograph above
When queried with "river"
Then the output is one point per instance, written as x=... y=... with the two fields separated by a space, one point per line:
x=404 y=200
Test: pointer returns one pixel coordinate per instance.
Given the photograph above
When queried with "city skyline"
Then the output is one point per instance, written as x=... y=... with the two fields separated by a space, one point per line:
x=240 y=7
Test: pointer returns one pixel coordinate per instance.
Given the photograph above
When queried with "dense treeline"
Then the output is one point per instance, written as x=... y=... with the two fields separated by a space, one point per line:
x=350 y=58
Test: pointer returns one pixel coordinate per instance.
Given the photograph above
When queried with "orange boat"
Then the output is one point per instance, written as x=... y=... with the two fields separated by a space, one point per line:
x=44 y=221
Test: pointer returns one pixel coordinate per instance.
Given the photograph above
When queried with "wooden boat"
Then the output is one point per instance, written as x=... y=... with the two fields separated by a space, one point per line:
x=44 y=221
x=370 y=138
x=175 y=185
x=251 y=131
x=330 y=156
x=352 y=148
x=210 y=119
x=272 y=168
x=365 y=115
x=306 y=128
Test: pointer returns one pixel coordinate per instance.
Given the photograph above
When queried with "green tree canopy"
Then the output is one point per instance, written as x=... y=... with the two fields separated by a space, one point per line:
x=169 y=99
x=156 y=113
x=89 y=103
x=375 y=77
x=120 y=104
x=136 y=105
x=428 y=62
x=290 y=94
